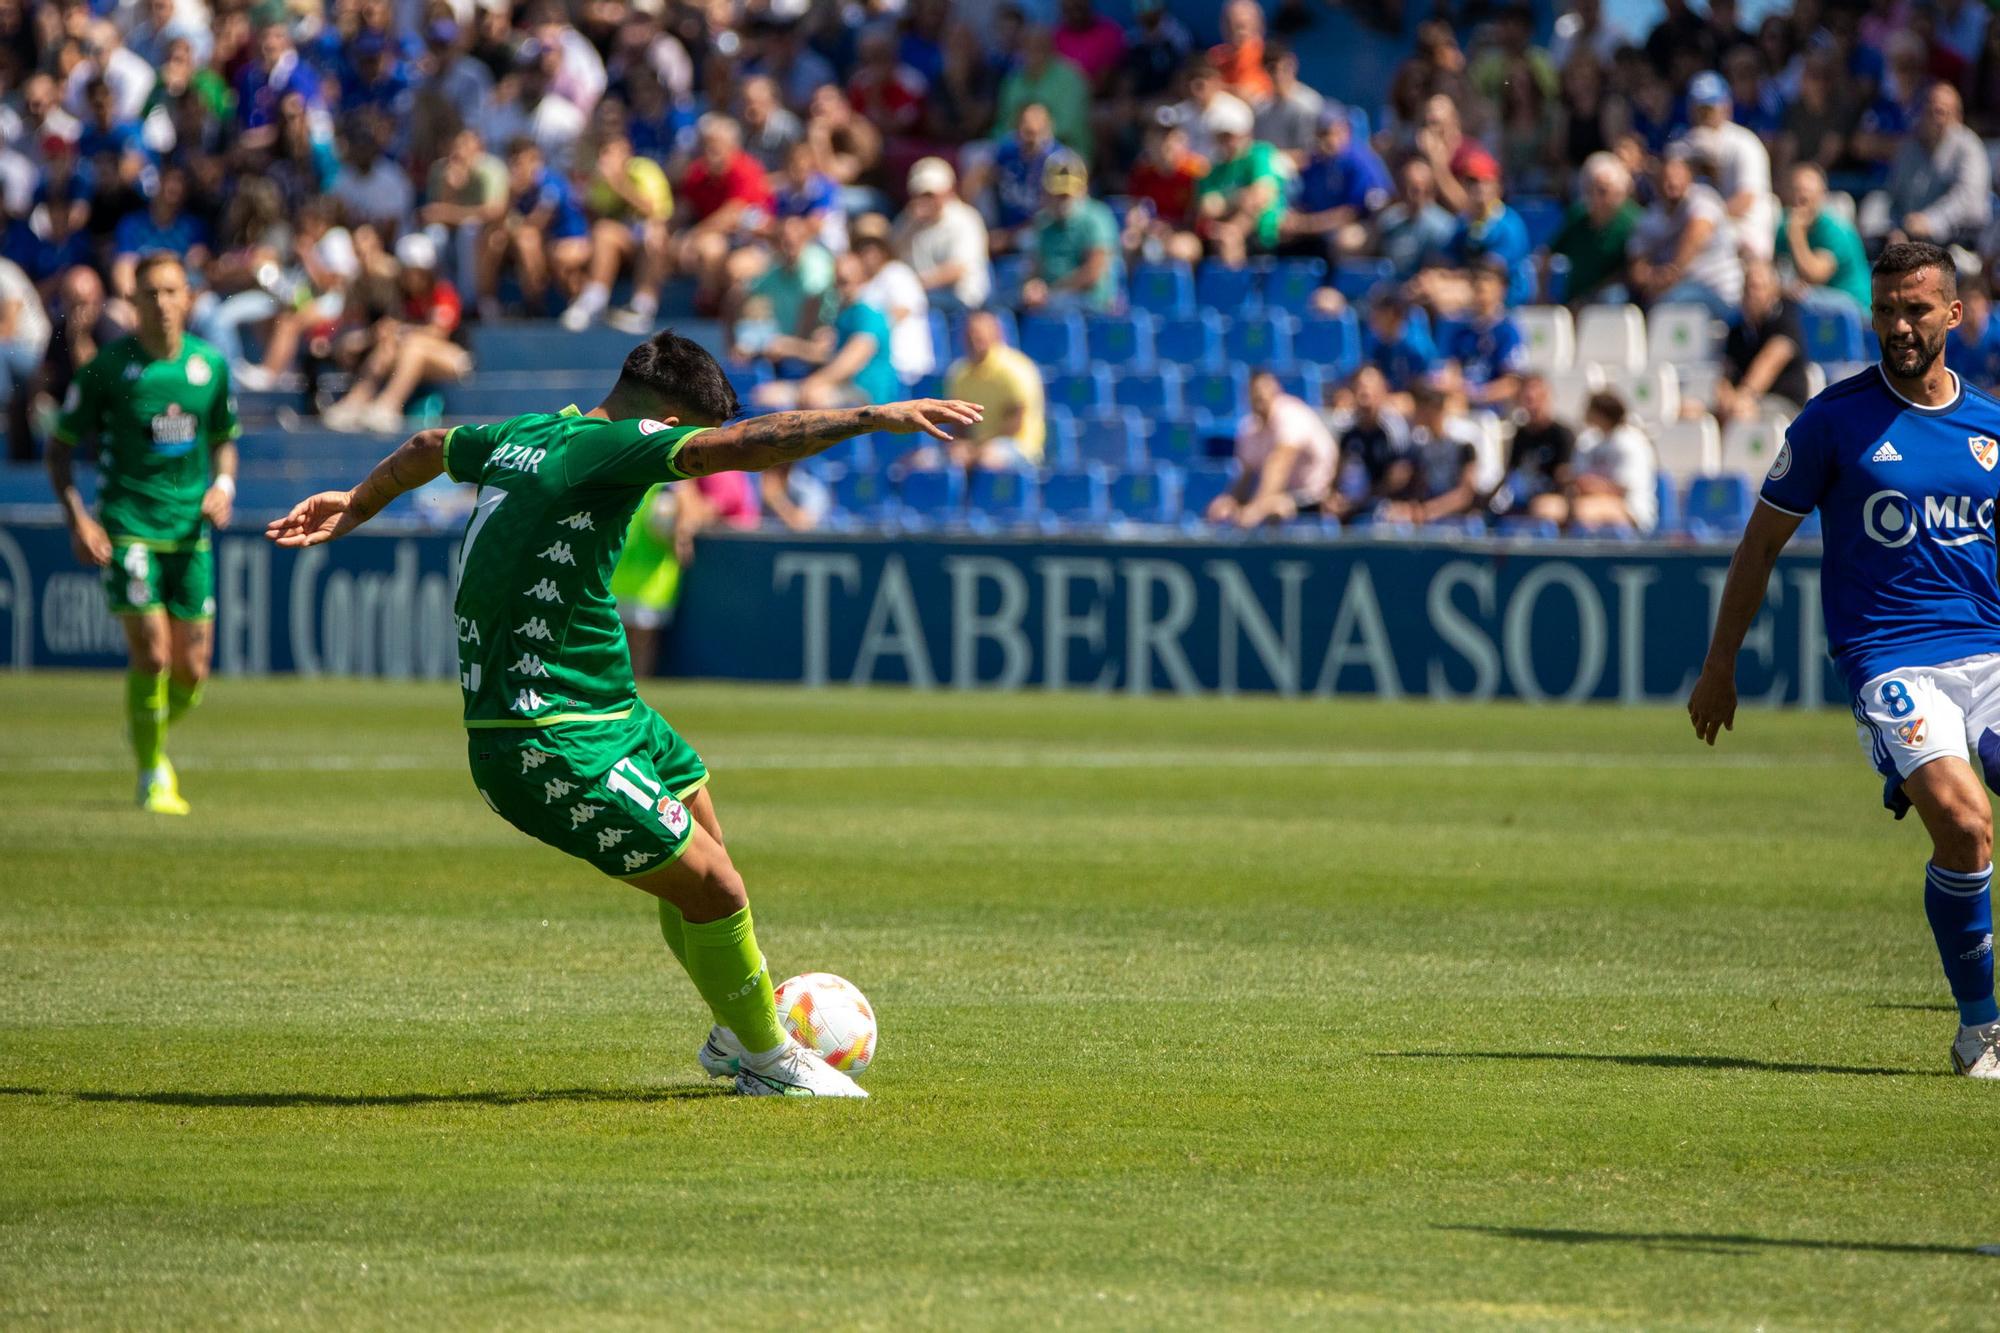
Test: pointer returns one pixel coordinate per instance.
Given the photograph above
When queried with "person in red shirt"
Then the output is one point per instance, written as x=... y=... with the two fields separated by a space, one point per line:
x=407 y=353
x=727 y=194
x=1161 y=185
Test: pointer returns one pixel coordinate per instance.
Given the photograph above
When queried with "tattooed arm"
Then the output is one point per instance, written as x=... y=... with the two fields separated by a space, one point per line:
x=756 y=443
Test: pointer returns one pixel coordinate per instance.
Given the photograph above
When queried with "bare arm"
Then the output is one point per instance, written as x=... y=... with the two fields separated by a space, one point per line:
x=1712 y=706
x=330 y=514
x=1815 y=266
x=756 y=443
x=1764 y=368
x=220 y=498
x=86 y=537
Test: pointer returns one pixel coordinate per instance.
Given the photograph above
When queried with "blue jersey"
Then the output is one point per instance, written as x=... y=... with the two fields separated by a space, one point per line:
x=1906 y=497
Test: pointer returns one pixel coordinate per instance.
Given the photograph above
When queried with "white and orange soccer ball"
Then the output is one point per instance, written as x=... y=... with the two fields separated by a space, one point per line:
x=830 y=1015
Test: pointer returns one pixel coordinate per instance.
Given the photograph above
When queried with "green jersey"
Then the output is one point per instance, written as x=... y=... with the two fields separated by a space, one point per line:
x=155 y=422
x=539 y=640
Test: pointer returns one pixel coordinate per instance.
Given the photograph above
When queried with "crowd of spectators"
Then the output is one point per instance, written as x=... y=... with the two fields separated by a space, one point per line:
x=352 y=183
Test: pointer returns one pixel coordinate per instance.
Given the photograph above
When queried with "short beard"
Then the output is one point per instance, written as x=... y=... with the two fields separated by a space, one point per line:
x=1927 y=356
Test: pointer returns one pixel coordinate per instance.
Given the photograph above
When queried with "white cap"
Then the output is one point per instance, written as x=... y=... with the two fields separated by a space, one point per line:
x=416 y=250
x=932 y=175
x=1227 y=115
x=336 y=252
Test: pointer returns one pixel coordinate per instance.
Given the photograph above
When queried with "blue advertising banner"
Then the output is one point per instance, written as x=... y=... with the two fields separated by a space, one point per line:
x=1472 y=620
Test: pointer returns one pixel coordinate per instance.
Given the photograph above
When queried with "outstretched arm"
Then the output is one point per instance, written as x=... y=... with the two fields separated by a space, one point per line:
x=1712 y=706
x=330 y=514
x=755 y=443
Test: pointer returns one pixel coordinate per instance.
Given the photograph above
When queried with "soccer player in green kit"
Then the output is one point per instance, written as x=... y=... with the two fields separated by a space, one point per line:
x=558 y=739
x=159 y=405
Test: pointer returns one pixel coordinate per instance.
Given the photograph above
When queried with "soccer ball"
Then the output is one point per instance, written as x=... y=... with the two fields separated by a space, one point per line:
x=830 y=1015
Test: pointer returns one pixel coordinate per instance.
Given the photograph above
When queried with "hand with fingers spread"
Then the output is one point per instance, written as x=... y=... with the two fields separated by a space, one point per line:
x=317 y=519
x=929 y=416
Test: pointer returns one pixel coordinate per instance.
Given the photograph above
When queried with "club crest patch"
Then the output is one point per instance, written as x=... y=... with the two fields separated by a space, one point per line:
x=1985 y=450
x=198 y=372
x=673 y=815
x=1912 y=732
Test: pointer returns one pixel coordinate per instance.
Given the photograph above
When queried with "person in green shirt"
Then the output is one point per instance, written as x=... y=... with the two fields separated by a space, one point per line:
x=558 y=740
x=159 y=406
x=1057 y=84
x=1597 y=229
x=1823 y=252
x=1241 y=200
x=850 y=355
x=1074 y=244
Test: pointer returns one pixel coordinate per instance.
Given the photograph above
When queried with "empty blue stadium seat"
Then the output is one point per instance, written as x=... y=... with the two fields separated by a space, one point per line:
x=1223 y=394
x=1009 y=272
x=1059 y=436
x=1331 y=341
x=1717 y=506
x=1217 y=286
x=1177 y=439
x=1289 y=284
x=1607 y=532
x=1053 y=340
x=1147 y=495
x=1542 y=215
x=1076 y=495
x=1260 y=341
x=1199 y=487
x=1305 y=383
x=1189 y=341
x=1669 y=501
x=1081 y=392
x=1832 y=334
x=941 y=337
x=1152 y=392
x=1163 y=289
x=1520 y=525
x=933 y=494
x=1123 y=342
x=865 y=493
x=1116 y=440
x=1003 y=495
x=1356 y=278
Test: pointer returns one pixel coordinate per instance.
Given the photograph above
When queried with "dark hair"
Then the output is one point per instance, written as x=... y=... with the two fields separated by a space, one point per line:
x=678 y=373
x=1916 y=256
x=1608 y=405
x=153 y=259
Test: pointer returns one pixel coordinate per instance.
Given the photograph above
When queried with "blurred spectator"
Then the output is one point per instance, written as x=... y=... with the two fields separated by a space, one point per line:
x=1396 y=345
x=310 y=296
x=527 y=105
x=1205 y=94
x=543 y=232
x=894 y=289
x=1763 y=359
x=1444 y=460
x=577 y=74
x=1159 y=50
x=1161 y=187
x=371 y=188
x=943 y=239
x=41 y=124
x=1374 y=448
x=376 y=80
x=851 y=356
x=1009 y=386
x=1973 y=348
x=1288 y=118
x=793 y=291
x=407 y=350
x=1613 y=478
x=1239 y=202
x=1590 y=115
x=1441 y=140
x=1539 y=458
x=727 y=196
x=189 y=108
x=108 y=145
x=302 y=163
x=884 y=91
x=786 y=57
x=1240 y=57
x=164 y=224
x=1582 y=31
x=1074 y=248
x=847 y=146
x=1940 y=184
x=1822 y=253
x=24 y=340
x=1741 y=164
x=1518 y=81
x=1490 y=230
x=1596 y=232
x=81 y=324
x=1342 y=184
x=1015 y=176
x=630 y=202
x=1414 y=226
x=769 y=129
x=1816 y=119
x=1284 y=460
x=1684 y=248
x=450 y=76
x=164 y=25
x=1680 y=38
x=1057 y=84
x=466 y=193
x=1486 y=348
x=129 y=74
x=1093 y=43
x=803 y=190
x=960 y=107
x=275 y=74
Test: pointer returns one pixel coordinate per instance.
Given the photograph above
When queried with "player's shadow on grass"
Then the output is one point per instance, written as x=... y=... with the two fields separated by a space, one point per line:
x=1670 y=1062
x=1705 y=1242
x=271 y=1101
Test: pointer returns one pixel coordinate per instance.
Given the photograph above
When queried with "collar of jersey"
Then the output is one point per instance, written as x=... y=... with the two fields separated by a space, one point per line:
x=1956 y=397
x=574 y=411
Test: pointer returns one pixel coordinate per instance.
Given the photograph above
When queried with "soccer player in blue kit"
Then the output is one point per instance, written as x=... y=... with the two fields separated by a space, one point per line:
x=1901 y=461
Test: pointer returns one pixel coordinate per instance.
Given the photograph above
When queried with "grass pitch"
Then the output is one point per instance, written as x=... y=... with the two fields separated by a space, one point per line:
x=1194 y=1013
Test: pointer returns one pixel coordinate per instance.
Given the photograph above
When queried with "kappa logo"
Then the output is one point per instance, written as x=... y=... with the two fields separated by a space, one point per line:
x=674 y=815
x=560 y=554
x=578 y=522
x=1911 y=733
x=582 y=813
x=555 y=789
x=527 y=701
x=1887 y=454
x=610 y=837
x=633 y=860
x=536 y=628
x=1985 y=450
x=534 y=759
x=545 y=591
x=529 y=665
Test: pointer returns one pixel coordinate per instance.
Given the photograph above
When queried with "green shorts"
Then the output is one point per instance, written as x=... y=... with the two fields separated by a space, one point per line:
x=609 y=793
x=140 y=578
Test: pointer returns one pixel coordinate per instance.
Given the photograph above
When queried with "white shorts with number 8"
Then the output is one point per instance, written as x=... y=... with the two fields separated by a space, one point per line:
x=1908 y=718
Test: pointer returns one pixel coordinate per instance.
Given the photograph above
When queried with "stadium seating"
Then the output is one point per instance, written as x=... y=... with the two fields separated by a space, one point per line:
x=1200 y=484
x=1260 y=341
x=1147 y=495
x=1717 y=507
x=1223 y=394
x=1748 y=447
x=1162 y=289
x=1305 y=383
x=1680 y=334
x=1612 y=335
x=1542 y=216
x=1571 y=389
x=1689 y=449
x=1219 y=286
x=1289 y=284
x=933 y=496
x=1077 y=496
x=1001 y=497
x=1155 y=392
x=1181 y=439
x=1055 y=341
x=1112 y=439
x=1082 y=392
x=1551 y=336
x=1832 y=333
x=1653 y=393
x=1330 y=341
x=1125 y=342
x=1356 y=278
x=1189 y=341
x=865 y=494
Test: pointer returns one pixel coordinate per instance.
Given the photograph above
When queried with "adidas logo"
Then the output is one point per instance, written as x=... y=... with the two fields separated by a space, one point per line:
x=536 y=628
x=1886 y=454
x=546 y=591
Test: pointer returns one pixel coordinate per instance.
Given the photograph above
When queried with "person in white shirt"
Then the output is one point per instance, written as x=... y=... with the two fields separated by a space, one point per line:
x=943 y=239
x=371 y=187
x=130 y=76
x=1684 y=248
x=1285 y=458
x=1742 y=163
x=1612 y=479
x=535 y=110
x=24 y=338
x=894 y=289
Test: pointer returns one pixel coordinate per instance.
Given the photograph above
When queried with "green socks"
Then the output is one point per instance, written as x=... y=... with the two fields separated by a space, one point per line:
x=727 y=967
x=146 y=716
x=182 y=699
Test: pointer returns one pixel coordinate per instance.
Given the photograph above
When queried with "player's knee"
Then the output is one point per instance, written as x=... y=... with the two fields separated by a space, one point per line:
x=723 y=888
x=1966 y=839
x=149 y=657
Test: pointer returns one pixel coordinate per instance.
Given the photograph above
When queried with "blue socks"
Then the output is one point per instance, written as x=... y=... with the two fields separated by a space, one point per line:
x=1960 y=907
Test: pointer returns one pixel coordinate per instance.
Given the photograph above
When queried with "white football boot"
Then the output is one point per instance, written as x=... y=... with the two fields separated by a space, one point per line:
x=721 y=1055
x=793 y=1071
x=1976 y=1053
